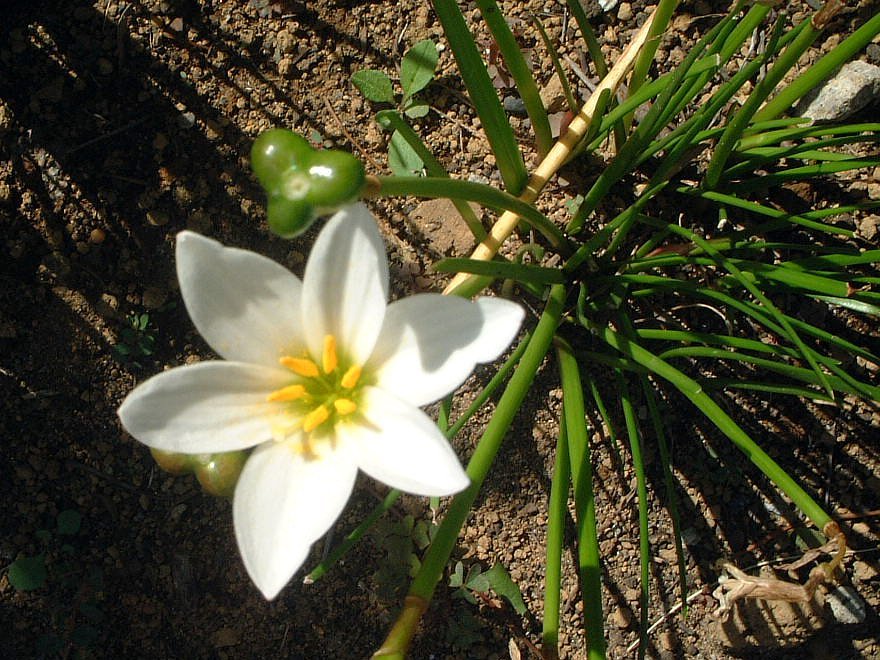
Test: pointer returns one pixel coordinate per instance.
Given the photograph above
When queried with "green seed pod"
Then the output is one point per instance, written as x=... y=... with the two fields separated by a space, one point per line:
x=337 y=179
x=219 y=474
x=172 y=462
x=290 y=217
x=302 y=183
x=274 y=153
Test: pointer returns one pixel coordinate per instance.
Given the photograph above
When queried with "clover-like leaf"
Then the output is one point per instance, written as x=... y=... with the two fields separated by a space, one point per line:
x=373 y=84
x=417 y=67
x=28 y=573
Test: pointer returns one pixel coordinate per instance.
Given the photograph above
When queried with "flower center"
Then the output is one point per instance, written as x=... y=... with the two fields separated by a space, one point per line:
x=325 y=393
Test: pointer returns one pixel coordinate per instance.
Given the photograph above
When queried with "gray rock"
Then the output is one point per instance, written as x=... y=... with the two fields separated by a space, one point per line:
x=853 y=87
x=846 y=605
x=514 y=105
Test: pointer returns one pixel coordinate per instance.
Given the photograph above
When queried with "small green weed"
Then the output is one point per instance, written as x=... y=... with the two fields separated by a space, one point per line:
x=137 y=339
x=416 y=72
x=401 y=541
x=75 y=590
x=478 y=583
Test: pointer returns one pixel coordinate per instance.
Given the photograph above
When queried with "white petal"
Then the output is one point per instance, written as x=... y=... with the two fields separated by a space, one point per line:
x=247 y=307
x=430 y=343
x=283 y=503
x=346 y=284
x=400 y=446
x=204 y=408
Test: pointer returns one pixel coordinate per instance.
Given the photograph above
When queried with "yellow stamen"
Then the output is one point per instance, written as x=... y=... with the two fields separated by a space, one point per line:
x=301 y=366
x=289 y=393
x=329 y=359
x=315 y=418
x=345 y=406
x=351 y=377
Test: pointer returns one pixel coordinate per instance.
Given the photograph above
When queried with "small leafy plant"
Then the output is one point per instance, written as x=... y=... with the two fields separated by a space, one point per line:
x=76 y=591
x=137 y=339
x=476 y=583
x=416 y=72
x=401 y=541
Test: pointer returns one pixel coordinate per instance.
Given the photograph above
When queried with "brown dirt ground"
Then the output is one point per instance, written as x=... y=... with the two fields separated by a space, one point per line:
x=122 y=123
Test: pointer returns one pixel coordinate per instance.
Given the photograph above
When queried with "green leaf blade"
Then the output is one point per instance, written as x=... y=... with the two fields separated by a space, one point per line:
x=373 y=84
x=418 y=66
x=28 y=573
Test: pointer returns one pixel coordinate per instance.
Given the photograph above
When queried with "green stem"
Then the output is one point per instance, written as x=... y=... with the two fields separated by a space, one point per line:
x=437 y=556
x=557 y=515
x=694 y=392
x=821 y=70
x=635 y=444
x=584 y=500
x=807 y=33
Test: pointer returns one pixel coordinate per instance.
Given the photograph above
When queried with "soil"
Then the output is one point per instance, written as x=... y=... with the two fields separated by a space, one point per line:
x=122 y=123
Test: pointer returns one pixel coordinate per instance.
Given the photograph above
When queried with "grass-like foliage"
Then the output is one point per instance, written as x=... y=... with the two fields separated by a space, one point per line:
x=696 y=163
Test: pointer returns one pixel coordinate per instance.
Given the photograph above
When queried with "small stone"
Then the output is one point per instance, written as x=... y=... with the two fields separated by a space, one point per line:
x=861 y=528
x=855 y=86
x=225 y=637
x=621 y=618
x=157 y=218
x=514 y=105
x=154 y=297
x=624 y=12
x=846 y=605
x=110 y=300
x=186 y=120
x=864 y=572
x=553 y=95
x=199 y=222
x=868 y=226
x=160 y=141
x=105 y=66
x=285 y=66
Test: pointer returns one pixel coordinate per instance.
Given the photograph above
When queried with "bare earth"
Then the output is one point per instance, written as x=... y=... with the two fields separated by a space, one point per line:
x=122 y=123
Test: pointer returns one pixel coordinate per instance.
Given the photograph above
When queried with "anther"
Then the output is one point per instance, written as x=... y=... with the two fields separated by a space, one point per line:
x=345 y=406
x=315 y=418
x=351 y=377
x=301 y=366
x=328 y=358
x=289 y=393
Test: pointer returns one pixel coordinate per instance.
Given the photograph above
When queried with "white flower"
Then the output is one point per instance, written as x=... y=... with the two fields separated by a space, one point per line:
x=322 y=377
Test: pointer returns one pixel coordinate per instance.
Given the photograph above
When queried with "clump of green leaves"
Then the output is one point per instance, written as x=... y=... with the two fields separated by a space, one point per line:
x=416 y=72
x=28 y=573
x=477 y=583
x=137 y=339
x=400 y=542
x=76 y=590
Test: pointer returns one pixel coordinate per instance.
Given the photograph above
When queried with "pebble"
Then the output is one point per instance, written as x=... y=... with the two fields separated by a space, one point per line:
x=846 y=605
x=105 y=66
x=225 y=637
x=621 y=618
x=157 y=218
x=186 y=120
x=868 y=226
x=855 y=86
x=624 y=12
x=154 y=297
x=864 y=572
x=515 y=106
